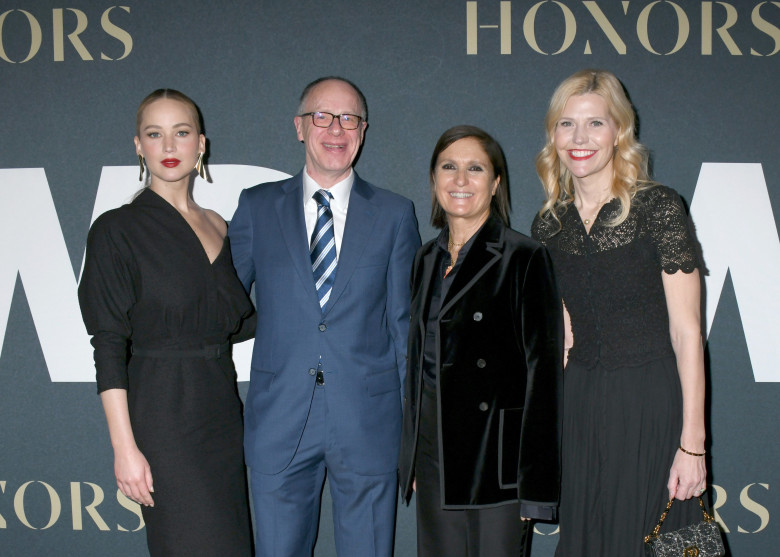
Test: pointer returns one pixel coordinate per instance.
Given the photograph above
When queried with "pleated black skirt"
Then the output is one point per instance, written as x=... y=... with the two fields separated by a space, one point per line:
x=620 y=435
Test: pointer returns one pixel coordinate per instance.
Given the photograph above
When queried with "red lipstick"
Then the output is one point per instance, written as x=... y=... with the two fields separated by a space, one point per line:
x=583 y=156
x=171 y=163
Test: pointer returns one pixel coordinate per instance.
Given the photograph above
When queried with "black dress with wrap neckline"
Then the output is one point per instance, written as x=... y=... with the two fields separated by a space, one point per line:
x=162 y=316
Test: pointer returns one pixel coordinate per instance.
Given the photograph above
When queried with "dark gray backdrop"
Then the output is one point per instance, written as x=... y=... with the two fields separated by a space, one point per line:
x=703 y=96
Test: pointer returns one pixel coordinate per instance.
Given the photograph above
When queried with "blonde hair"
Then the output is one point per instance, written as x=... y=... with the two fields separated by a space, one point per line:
x=172 y=94
x=630 y=161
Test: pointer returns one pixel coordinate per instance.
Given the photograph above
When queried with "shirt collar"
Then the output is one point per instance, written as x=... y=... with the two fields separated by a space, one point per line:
x=339 y=190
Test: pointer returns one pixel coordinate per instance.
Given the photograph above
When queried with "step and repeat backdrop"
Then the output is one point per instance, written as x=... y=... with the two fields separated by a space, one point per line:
x=704 y=77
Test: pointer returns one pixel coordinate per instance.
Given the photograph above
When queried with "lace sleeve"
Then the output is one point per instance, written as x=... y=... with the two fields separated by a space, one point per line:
x=671 y=231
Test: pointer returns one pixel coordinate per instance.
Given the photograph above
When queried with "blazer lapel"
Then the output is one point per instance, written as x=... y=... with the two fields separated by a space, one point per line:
x=425 y=279
x=289 y=209
x=361 y=216
x=482 y=255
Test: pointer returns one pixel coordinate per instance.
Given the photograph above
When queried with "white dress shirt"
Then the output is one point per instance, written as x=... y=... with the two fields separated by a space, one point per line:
x=338 y=205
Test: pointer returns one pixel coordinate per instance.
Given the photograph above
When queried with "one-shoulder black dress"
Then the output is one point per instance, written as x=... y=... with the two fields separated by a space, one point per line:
x=162 y=316
x=622 y=396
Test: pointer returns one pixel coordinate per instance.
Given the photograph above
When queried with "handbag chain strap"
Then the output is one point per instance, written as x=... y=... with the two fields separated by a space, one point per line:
x=657 y=529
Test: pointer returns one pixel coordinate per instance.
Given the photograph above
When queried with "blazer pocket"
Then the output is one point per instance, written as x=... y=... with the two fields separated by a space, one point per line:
x=261 y=380
x=509 y=427
x=382 y=382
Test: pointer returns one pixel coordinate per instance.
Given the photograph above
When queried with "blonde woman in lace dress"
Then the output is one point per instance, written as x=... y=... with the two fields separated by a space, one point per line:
x=626 y=265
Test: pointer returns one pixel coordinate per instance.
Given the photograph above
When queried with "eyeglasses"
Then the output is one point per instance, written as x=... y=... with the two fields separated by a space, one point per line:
x=325 y=119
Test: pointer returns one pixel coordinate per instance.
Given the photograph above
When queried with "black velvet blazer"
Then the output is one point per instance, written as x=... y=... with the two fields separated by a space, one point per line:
x=499 y=373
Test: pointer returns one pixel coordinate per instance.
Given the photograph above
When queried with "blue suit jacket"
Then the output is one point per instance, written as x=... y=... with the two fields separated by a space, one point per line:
x=361 y=338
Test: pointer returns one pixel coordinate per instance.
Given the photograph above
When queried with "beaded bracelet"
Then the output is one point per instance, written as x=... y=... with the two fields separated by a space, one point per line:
x=689 y=452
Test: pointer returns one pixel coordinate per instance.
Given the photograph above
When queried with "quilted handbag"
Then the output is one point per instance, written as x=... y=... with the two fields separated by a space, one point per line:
x=697 y=540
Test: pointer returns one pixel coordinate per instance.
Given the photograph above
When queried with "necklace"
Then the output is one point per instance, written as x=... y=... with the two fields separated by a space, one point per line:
x=593 y=216
x=450 y=245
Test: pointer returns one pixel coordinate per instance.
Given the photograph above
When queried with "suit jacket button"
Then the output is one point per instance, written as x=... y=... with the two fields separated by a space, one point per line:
x=483 y=406
x=322 y=327
x=481 y=363
x=312 y=371
x=478 y=316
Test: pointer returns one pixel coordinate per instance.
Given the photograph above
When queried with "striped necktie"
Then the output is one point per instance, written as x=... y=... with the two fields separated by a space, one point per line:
x=323 y=248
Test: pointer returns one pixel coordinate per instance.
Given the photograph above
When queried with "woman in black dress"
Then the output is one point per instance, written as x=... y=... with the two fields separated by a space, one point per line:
x=481 y=425
x=162 y=301
x=626 y=265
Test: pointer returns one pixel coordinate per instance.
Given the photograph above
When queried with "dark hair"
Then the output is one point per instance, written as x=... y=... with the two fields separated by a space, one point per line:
x=168 y=94
x=500 y=204
x=313 y=84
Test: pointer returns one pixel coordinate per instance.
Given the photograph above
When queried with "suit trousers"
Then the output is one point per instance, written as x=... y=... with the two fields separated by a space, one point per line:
x=478 y=532
x=287 y=505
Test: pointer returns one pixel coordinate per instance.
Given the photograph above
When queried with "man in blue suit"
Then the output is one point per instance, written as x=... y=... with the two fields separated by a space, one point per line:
x=330 y=257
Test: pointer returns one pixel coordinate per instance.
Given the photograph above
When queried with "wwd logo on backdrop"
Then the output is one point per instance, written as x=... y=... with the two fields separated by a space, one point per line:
x=39 y=256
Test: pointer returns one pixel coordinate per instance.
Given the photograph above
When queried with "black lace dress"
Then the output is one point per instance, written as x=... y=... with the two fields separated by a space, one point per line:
x=622 y=394
x=153 y=302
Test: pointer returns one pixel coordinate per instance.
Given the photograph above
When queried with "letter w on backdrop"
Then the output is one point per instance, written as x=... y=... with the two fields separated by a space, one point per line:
x=34 y=250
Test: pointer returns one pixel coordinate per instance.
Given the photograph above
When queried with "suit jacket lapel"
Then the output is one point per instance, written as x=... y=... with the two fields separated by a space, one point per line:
x=361 y=216
x=289 y=209
x=483 y=254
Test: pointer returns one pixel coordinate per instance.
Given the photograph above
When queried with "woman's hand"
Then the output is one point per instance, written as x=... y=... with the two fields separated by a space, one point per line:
x=687 y=477
x=134 y=476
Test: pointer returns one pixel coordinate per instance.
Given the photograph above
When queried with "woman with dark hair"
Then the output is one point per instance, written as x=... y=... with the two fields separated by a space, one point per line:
x=480 y=441
x=162 y=302
x=626 y=264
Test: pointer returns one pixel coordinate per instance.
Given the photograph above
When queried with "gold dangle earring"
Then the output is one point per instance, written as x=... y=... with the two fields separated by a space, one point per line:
x=141 y=164
x=199 y=167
